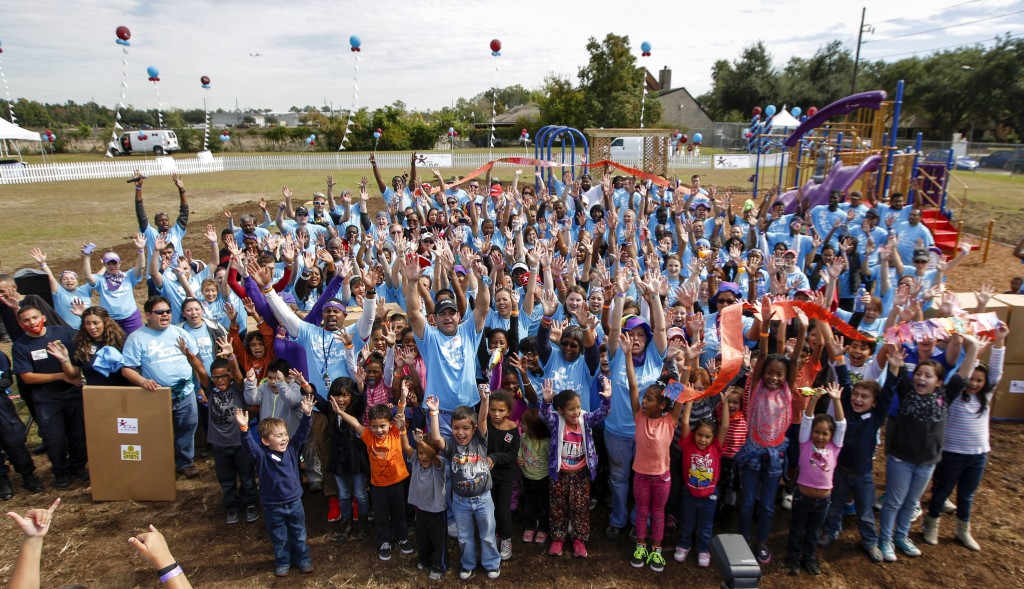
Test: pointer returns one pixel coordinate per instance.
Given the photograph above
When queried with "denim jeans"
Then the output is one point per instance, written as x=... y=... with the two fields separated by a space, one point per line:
x=698 y=514
x=184 y=418
x=963 y=471
x=234 y=463
x=352 y=485
x=759 y=487
x=904 y=484
x=286 y=525
x=808 y=515
x=472 y=513
x=620 y=470
x=862 y=488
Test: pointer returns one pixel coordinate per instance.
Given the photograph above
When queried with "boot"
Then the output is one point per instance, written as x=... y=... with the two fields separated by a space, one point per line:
x=963 y=533
x=931 y=530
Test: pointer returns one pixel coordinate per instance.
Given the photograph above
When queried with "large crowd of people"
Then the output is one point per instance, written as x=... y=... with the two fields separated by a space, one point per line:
x=480 y=346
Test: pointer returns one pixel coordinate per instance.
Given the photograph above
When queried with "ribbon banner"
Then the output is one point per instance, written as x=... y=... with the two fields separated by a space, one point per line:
x=942 y=328
x=529 y=161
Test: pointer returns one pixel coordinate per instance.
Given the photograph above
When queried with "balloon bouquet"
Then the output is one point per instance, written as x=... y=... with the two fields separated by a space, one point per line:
x=356 y=45
x=123 y=35
x=452 y=134
x=204 y=83
x=154 y=76
x=524 y=136
x=496 y=53
x=645 y=51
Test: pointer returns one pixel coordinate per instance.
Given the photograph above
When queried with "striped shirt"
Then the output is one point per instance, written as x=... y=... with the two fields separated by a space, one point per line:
x=966 y=429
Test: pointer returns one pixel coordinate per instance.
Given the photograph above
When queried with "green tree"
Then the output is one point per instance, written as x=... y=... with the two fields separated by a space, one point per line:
x=819 y=80
x=612 y=85
x=739 y=86
x=562 y=104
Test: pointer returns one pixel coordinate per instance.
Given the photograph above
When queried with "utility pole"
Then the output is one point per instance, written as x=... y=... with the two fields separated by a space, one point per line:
x=860 y=36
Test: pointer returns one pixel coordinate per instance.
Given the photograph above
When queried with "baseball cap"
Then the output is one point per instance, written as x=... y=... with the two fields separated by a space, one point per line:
x=496 y=190
x=520 y=266
x=460 y=269
x=920 y=254
x=445 y=305
x=426 y=236
x=748 y=204
x=301 y=211
x=872 y=213
x=790 y=253
x=111 y=257
x=676 y=332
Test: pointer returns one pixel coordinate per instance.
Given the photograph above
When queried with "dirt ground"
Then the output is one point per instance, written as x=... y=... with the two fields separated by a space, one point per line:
x=87 y=545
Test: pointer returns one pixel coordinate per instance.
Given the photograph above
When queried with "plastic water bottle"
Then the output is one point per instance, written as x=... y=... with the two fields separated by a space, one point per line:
x=858 y=302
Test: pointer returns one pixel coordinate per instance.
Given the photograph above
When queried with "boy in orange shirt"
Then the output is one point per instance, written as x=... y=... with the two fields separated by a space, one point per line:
x=383 y=441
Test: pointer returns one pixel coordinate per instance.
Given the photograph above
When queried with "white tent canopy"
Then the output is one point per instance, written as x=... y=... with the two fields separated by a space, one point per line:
x=9 y=130
x=784 y=120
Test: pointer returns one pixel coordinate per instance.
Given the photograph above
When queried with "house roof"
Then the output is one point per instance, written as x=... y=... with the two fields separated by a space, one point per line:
x=682 y=89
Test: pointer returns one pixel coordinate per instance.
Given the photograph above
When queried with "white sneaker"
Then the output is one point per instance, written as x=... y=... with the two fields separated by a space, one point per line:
x=917 y=512
x=505 y=548
x=453 y=530
x=948 y=507
x=787 y=500
x=681 y=553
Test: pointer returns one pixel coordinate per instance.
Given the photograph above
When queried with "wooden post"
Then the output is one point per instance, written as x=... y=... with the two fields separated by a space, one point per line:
x=959 y=233
x=988 y=240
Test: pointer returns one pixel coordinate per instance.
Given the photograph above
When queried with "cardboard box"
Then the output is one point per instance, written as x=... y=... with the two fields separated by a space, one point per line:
x=1014 y=341
x=969 y=302
x=130 y=440
x=1009 y=399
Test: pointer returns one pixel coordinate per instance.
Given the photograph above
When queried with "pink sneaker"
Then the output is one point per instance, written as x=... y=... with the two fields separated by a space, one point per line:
x=528 y=536
x=703 y=559
x=579 y=548
x=541 y=537
x=556 y=548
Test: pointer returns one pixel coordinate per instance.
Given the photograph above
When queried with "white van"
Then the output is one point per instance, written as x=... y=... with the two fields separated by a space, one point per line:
x=631 y=148
x=155 y=141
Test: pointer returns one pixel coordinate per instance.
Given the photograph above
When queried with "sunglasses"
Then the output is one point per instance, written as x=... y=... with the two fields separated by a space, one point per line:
x=161 y=312
x=722 y=301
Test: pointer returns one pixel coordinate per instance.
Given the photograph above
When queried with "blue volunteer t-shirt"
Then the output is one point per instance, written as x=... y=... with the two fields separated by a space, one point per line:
x=451 y=364
x=620 y=419
x=62 y=303
x=119 y=303
x=325 y=354
x=573 y=376
x=156 y=353
x=175 y=294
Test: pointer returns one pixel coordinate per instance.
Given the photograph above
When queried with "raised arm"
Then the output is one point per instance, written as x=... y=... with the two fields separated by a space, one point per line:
x=40 y=257
x=376 y=174
x=182 y=201
x=409 y=287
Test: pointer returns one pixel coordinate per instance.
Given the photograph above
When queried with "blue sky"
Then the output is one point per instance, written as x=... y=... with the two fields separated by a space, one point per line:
x=428 y=52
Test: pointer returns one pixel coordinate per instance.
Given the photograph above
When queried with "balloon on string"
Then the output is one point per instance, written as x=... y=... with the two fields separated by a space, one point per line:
x=812 y=111
x=309 y=140
x=796 y=111
x=757 y=110
x=379 y=131
x=645 y=48
x=495 y=46
x=683 y=138
x=312 y=136
x=123 y=33
x=224 y=138
x=356 y=43
x=451 y=130
x=376 y=134
x=697 y=137
x=769 y=110
x=205 y=81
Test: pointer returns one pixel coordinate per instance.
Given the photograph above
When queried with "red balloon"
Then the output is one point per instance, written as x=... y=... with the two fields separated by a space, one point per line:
x=205 y=79
x=495 y=45
x=683 y=138
x=123 y=33
x=379 y=131
x=812 y=111
x=757 y=110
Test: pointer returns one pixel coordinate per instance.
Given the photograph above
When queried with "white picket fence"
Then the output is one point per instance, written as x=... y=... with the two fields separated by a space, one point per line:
x=17 y=173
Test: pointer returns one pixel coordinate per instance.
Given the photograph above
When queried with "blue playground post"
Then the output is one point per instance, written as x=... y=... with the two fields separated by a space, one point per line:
x=891 y=152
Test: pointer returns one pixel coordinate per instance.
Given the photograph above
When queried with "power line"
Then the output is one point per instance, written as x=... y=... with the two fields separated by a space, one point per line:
x=970 y=22
x=935 y=12
x=1009 y=36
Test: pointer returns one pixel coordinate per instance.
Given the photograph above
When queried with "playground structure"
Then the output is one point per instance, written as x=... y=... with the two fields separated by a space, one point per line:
x=544 y=139
x=850 y=145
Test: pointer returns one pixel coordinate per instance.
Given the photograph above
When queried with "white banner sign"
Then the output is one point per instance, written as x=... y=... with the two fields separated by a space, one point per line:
x=733 y=162
x=434 y=160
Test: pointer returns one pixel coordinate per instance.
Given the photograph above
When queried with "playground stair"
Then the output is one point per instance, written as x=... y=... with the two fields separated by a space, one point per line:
x=946 y=235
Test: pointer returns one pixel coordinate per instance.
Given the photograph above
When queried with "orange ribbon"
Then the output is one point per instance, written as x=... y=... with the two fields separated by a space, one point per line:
x=529 y=161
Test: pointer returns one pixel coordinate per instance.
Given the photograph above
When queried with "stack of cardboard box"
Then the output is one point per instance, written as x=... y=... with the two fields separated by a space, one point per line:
x=1009 y=400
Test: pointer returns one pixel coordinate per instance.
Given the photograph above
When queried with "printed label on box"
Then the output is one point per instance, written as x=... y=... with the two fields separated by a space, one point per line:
x=127 y=425
x=131 y=452
x=1017 y=386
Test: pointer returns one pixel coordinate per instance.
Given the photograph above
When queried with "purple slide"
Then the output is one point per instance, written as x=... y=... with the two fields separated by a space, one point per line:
x=839 y=178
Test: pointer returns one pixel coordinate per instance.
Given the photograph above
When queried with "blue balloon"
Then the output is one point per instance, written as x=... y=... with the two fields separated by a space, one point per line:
x=355 y=41
x=451 y=129
x=153 y=72
x=796 y=112
x=225 y=138
x=697 y=138
x=770 y=110
x=376 y=135
x=496 y=53
x=645 y=46
x=206 y=86
x=745 y=131
x=312 y=136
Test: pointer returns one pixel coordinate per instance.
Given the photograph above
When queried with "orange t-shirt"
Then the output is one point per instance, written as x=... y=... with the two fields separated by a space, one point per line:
x=387 y=465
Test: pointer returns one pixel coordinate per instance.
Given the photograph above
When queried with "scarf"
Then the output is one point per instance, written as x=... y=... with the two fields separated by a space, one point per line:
x=113 y=280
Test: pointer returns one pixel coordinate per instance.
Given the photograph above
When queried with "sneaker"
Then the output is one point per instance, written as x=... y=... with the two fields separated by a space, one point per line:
x=947 y=506
x=612 y=532
x=359 y=531
x=540 y=538
x=703 y=559
x=232 y=517
x=850 y=509
x=681 y=553
x=421 y=567
x=556 y=548
x=281 y=571
x=787 y=500
x=31 y=483
x=494 y=574
x=252 y=513
x=62 y=481
x=306 y=568
x=656 y=561
x=874 y=554
x=333 y=509
x=466 y=574
x=505 y=548
x=529 y=535
x=888 y=552
x=385 y=551
x=640 y=556
x=579 y=549
x=345 y=530
x=453 y=530
x=369 y=515
x=793 y=568
x=877 y=505
x=435 y=575
x=81 y=474
x=917 y=512
x=825 y=539
x=190 y=471
x=405 y=546
x=813 y=567
x=6 y=490
x=763 y=555
x=906 y=546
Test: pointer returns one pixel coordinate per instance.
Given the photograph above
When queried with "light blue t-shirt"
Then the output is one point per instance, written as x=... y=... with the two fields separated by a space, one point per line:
x=174 y=236
x=573 y=376
x=620 y=420
x=451 y=364
x=62 y=303
x=158 y=356
x=907 y=236
x=325 y=355
x=119 y=303
x=175 y=294
x=259 y=232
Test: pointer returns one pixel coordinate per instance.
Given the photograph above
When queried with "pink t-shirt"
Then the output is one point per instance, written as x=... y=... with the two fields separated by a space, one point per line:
x=818 y=465
x=768 y=414
x=653 y=439
x=701 y=468
x=574 y=455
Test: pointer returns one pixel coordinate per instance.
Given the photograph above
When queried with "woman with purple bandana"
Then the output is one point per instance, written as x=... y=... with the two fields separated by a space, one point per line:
x=116 y=288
